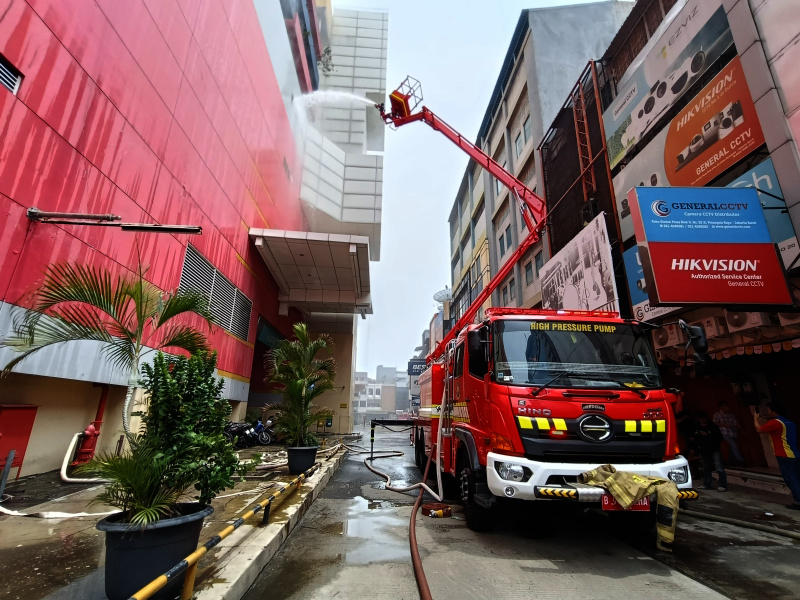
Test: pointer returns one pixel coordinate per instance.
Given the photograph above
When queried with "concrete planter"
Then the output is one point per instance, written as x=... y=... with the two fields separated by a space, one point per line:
x=137 y=555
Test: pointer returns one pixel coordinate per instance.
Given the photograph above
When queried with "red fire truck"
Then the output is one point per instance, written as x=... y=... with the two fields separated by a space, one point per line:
x=521 y=403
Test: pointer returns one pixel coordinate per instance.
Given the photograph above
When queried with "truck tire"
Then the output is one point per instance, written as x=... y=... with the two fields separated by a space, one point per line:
x=479 y=518
x=419 y=450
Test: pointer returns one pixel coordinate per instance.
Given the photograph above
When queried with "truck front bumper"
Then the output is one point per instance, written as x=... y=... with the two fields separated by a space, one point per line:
x=546 y=480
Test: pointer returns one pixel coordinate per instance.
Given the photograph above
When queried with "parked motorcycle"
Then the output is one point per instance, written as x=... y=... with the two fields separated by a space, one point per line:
x=242 y=433
x=264 y=432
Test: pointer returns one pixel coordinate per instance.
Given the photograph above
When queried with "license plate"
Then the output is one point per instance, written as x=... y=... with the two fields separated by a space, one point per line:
x=610 y=503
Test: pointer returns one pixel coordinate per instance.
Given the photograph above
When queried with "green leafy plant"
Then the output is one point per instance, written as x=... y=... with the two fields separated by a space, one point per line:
x=127 y=313
x=142 y=484
x=301 y=377
x=181 y=447
x=326 y=60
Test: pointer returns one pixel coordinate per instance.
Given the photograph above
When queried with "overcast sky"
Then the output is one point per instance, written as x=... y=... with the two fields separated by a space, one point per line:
x=455 y=48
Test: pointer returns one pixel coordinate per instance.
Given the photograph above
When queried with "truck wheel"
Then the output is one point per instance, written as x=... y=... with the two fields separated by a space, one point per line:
x=478 y=517
x=419 y=451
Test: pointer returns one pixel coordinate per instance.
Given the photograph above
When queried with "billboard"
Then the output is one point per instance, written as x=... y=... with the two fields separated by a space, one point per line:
x=736 y=261
x=762 y=177
x=415 y=369
x=581 y=275
x=642 y=309
x=687 y=43
x=716 y=130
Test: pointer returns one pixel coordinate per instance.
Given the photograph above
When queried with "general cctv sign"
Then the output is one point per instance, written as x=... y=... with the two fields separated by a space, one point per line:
x=716 y=215
x=706 y=245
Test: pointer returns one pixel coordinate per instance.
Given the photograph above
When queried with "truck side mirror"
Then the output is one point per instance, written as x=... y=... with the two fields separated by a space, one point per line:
x=697 y=336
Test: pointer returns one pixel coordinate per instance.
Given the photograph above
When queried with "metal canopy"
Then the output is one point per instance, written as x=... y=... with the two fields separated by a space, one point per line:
x=317 y=272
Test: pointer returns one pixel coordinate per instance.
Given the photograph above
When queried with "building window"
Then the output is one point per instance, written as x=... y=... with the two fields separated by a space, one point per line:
x=508 y=237
x=10 y=77
x=499 y=186
x=539 y=263
x=230 y=308
x=502 y=244
x=526 y=129
x=378 y=392
x=505 y=296
x=512 y=289
x=528 y=273
x=518 y=144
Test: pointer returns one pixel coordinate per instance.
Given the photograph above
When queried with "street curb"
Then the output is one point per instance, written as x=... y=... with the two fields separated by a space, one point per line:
x=247 y=551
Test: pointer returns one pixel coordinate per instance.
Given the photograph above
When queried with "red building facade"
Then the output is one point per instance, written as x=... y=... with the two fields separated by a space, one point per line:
x=160 y=111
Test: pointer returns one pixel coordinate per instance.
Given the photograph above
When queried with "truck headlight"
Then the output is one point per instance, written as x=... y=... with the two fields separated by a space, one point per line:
x=510 y=471
x=679 y=475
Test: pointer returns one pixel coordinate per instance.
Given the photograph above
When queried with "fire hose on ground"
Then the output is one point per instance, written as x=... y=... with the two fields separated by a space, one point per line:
x=416 y=560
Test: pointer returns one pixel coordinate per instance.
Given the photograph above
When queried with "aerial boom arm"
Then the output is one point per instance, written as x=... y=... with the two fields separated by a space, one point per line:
x=403 y=101
x=531 y=206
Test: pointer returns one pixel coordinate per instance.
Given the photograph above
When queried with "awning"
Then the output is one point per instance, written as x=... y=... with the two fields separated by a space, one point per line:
x=317 y=272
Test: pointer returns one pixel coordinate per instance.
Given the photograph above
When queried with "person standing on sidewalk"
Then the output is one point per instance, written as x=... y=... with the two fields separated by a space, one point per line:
x=707 y=438
x=783 y=434
x=729 y=427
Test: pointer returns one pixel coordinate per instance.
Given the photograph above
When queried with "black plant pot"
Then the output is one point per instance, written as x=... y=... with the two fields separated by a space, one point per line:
x=301 y=459
x=135 y=555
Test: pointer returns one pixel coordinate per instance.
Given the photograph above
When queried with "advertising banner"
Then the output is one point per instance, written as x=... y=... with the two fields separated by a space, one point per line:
x=706 y=245
x=415 y=369
x=763 y=177
x=670 y=64
x=581 y=275
x=642 y=309
x=717 y=129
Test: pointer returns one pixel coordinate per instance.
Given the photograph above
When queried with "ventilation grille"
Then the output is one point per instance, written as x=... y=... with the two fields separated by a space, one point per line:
x=230 y=308
x=10 y=78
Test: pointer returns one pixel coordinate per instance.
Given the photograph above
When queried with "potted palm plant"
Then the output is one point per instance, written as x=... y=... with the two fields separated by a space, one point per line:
x=180 y=455
x=129 y=315
x=301 y=377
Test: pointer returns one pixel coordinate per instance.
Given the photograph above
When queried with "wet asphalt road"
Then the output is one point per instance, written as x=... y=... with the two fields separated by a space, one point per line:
x=353 y=543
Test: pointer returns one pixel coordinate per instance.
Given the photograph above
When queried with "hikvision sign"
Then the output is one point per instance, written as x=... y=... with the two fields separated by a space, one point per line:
x=692 y=36
x=715 y=131
x=706 y=245
x=701 y=264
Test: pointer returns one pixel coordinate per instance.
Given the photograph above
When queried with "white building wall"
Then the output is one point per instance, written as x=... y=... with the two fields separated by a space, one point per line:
x=343 y=173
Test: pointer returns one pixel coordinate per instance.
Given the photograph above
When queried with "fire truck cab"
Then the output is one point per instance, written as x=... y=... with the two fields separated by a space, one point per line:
x=527 y=400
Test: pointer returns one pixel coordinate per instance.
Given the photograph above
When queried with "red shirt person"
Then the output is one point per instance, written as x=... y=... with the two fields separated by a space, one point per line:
x=783 y=434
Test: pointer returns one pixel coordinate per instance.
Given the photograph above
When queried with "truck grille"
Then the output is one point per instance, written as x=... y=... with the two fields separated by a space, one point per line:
x=600 y=458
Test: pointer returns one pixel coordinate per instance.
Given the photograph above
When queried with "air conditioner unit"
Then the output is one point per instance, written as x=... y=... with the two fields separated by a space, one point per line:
x=787 y=319
x=667 y=336
x=714 y=327
x=741 y=321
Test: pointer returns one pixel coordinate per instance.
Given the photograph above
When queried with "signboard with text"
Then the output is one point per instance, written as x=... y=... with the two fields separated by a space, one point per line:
x=415 y=369
x=642 y=309
x=706 y=245
x=717 y=129
x=686 y=44
x=581 y=275
x=763 y=178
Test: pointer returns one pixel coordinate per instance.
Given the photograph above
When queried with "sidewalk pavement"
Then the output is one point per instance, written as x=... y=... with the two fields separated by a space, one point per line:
x=57 y=559
x=748 y=504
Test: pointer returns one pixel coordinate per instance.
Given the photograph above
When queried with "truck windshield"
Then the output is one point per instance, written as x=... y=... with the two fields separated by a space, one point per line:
x=591 y=355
